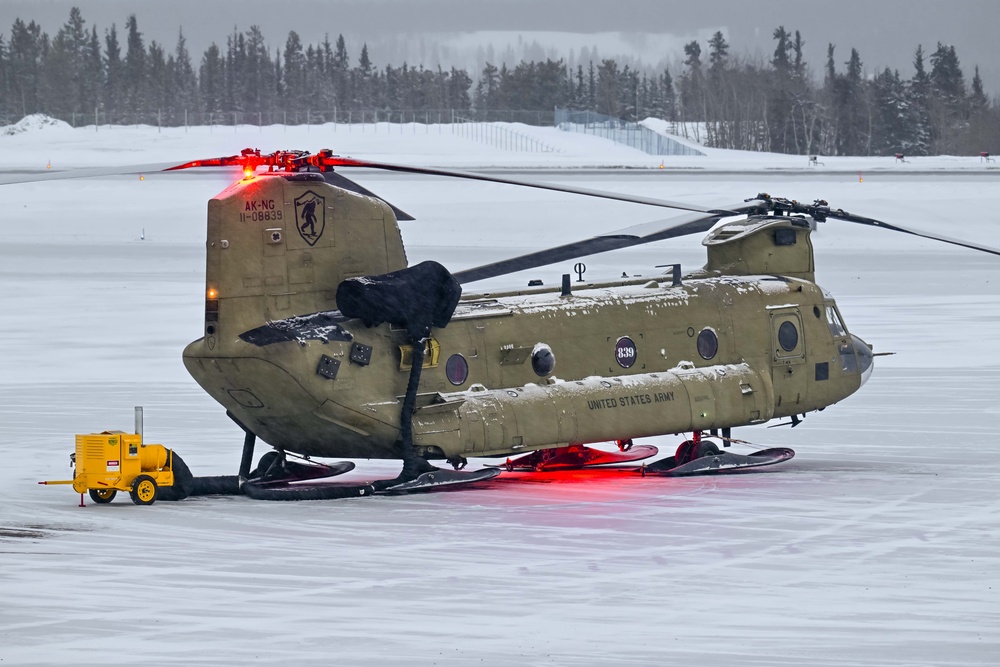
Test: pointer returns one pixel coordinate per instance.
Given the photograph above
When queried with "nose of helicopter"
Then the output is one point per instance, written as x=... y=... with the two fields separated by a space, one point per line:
x=866 y=360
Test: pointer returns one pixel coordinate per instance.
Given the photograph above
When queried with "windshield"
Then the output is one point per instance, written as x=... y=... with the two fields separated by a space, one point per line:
x=833 y=319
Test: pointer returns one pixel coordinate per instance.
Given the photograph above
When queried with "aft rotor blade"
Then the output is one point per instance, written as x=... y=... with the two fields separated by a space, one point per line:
x=850 y=217
x=624 y=238
x=336 y=161
x=325 y=159
x=32 y=177
x=341 y=181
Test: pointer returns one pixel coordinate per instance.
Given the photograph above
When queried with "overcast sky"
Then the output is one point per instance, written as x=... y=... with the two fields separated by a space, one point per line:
x=885 y=32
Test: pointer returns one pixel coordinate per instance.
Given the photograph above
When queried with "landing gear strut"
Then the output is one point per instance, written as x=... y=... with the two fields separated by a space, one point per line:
x=270 y=464
x=695 y=448
x=249 y=439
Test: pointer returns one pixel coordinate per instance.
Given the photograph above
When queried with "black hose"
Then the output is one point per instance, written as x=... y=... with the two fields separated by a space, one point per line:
x=221 y=485
x=186 y=484
x=184 y=481
x=307 y=492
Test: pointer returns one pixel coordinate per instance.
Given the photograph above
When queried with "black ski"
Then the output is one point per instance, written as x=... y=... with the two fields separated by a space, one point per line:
x=436 y=479
x=718 y=463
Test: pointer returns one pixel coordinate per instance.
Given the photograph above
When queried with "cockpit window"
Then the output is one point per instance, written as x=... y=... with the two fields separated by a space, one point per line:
x=833 y=319
x=848 y=360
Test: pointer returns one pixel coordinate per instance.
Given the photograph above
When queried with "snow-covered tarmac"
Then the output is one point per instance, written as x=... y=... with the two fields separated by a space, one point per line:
x=879 y=544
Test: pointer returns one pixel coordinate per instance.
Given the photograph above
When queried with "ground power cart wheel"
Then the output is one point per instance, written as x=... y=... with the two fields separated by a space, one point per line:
x=143 y=490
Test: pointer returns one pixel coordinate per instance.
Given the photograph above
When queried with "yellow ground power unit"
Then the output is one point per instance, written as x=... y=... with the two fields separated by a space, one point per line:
x=112 y=461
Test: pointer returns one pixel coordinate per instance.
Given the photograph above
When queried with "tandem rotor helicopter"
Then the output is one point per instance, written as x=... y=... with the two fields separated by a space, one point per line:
x=322 y=342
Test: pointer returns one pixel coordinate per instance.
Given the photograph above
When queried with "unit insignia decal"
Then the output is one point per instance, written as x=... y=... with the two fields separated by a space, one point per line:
x=310 y=216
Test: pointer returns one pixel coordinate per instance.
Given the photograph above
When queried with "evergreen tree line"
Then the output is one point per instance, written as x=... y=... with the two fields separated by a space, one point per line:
x=776 y=105
x=80 y=72
x=723 y=100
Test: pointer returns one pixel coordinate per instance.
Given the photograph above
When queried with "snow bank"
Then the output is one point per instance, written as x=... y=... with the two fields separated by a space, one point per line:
x=34 y=123
x=461 y=146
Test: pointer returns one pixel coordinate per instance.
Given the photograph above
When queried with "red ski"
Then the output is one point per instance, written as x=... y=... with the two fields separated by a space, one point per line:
x=578 y=456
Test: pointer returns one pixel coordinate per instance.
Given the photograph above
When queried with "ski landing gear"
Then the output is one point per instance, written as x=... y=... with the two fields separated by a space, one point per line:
x=439 y=478
x=577 y=456
x=274 y=468
x=699 y=456
x=431 y=478
x=275 y=476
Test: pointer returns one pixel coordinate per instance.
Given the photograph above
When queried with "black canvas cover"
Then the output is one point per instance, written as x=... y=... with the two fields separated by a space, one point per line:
x=416 y=298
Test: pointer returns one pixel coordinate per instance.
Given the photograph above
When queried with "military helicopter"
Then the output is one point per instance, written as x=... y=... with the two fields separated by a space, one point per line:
x=320 y=340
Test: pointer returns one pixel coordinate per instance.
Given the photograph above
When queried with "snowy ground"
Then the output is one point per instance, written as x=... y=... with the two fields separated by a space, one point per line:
x=879 y=544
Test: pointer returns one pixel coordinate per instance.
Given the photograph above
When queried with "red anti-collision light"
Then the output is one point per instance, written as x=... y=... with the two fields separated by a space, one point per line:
x=250 y=159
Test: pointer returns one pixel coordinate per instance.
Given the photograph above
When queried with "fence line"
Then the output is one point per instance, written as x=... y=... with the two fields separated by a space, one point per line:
x=499 y=136
x=622 y=132
x=186 y=118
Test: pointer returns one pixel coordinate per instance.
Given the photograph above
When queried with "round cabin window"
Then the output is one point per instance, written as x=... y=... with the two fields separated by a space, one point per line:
x=708 y=344
x=457 y=369
x=788 y=336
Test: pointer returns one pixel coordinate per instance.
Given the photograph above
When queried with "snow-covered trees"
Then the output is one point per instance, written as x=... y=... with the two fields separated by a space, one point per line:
x=731 y=100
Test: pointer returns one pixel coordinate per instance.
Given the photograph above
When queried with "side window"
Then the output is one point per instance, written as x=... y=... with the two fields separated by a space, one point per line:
x=708 y=344
x=788 y=344
x=457 y=370
x=788 y=336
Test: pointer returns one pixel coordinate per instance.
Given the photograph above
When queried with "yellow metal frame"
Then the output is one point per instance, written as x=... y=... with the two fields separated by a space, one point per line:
x=113 y=460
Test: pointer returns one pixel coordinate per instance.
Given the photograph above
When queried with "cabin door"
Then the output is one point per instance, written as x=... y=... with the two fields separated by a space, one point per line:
x=788 y=360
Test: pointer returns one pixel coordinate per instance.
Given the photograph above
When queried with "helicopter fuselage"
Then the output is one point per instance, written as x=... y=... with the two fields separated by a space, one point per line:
x=741 y=342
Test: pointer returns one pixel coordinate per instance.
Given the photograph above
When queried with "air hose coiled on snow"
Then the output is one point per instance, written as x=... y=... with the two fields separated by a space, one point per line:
x=186 y=484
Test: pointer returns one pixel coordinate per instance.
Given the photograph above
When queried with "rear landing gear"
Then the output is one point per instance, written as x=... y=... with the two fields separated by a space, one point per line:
x=275 y=476
x=270 y=464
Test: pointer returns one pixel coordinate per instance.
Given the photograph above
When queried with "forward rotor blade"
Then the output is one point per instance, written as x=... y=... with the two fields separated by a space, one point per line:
x=32 y=177
x=336 y=161
x=632 y=236
x=821 y=211
x=871 y=222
